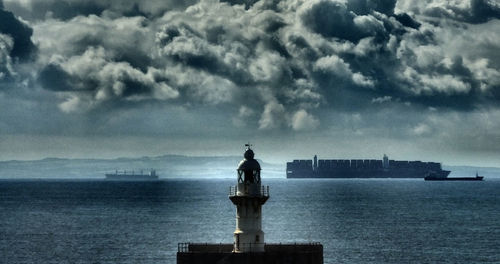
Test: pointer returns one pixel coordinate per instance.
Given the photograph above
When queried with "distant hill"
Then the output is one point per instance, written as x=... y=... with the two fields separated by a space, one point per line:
x=167 y=166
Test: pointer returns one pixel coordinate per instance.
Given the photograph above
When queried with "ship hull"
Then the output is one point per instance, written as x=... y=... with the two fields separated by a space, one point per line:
x=364 y=174
x=114 y=177
x=454 y=179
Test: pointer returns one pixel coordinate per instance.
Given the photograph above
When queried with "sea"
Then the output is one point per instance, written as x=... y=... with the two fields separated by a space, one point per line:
x=356 y=220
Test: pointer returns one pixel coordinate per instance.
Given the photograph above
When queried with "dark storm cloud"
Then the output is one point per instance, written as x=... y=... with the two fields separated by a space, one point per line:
x=23 y=48
x=247 y=53
x=276 y=64
x=363 y=7
x=16 y=48
x=68 y=9
x=126 y=38
x=53 y=77
x=102 y=59
x=480 y=11
x=333 y=19
x=407 y=20
x=471 y=11
x=246 y=3
x=287 y=68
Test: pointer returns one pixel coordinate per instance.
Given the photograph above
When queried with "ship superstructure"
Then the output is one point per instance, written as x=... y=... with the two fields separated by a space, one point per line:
x=359 y=168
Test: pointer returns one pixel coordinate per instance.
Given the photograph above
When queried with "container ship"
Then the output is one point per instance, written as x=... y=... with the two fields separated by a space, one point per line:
x=357 y=168
x=132 y=176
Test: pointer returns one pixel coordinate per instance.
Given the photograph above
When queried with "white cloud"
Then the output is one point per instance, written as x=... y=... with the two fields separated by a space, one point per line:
x=71 y=104
x=273 y=116
x=243 y=117
x=267 y=67
x=361 y=80
x=302 y=120
x=333 y=64
x=448 y=84
x=421 y=129
x=6 y=67
x=381 y=100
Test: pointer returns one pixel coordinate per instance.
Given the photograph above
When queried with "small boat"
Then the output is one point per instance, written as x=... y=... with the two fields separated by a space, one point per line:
x=432 y=177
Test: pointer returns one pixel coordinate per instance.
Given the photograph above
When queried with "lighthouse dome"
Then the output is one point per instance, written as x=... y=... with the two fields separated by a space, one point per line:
x=249 y=154
x=249 y=165
x=249 y=168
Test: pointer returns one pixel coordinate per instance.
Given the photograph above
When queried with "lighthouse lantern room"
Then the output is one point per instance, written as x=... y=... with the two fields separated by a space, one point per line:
x=248 y=196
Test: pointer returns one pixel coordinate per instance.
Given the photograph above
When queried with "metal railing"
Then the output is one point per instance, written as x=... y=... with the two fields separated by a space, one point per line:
x=183 y=247
x=269 y=247
x=264 y=191
x=204 y=247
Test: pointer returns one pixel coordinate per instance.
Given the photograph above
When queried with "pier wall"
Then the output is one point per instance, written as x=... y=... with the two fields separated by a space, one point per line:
x=273 y=253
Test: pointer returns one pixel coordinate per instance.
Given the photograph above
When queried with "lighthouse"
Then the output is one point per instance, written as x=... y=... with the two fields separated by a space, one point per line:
x=248 y=196
x=248 y=239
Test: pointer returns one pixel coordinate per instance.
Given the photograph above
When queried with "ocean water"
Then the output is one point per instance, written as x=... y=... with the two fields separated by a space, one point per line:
x=357 y=221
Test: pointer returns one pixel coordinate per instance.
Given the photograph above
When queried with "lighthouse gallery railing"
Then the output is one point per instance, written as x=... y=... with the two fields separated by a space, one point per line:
x=264 y=191
x=213 y=247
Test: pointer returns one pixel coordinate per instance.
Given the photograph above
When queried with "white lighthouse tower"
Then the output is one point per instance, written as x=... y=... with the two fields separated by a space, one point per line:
x=249 y=196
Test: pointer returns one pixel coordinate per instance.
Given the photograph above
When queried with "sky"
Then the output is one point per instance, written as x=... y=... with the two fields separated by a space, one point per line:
x=416 y=80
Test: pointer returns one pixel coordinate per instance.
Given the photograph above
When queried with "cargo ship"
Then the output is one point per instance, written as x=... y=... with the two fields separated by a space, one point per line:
x=358 y=168
x=132 y=176
x=433 y=177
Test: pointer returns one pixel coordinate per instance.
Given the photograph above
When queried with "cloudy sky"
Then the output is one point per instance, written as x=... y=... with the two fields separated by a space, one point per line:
x=417 y=80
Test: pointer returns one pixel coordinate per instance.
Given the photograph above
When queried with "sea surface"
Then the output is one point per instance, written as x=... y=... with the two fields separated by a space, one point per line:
x=357 y=221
